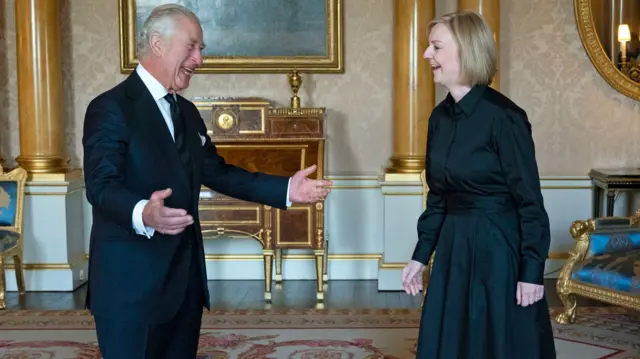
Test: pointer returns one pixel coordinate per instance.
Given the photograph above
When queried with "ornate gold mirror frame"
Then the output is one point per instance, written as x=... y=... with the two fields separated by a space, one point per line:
x=597 y=55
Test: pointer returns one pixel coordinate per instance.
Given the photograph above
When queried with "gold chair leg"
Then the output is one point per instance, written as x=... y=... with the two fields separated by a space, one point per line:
x=278 y=265
x=570 y=306
x=17 y=263
x=3 y=285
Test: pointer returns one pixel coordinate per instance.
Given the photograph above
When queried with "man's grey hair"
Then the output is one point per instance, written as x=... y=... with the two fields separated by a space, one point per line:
x=162 y=21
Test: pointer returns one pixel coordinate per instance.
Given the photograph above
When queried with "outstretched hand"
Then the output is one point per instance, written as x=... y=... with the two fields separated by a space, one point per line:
x=164 y=219
x=527 y=293
x=305 y=190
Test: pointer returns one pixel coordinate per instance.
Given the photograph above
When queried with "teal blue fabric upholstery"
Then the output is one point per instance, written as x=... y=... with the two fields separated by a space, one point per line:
x=614 y=235
x=615 y=270
x=8 y=239
x=8 y=203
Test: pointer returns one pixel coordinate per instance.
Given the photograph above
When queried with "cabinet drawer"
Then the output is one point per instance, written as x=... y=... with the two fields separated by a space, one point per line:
x=230 y=215
x=295 y=127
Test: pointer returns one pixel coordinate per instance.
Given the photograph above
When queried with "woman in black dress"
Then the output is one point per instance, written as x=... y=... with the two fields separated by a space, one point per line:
x=485 y=217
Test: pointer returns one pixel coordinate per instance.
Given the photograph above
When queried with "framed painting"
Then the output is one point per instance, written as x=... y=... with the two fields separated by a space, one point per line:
x=251 y=36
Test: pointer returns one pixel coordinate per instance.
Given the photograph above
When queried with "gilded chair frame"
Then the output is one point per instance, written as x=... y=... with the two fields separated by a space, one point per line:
x=19 y=175
x=568 y=289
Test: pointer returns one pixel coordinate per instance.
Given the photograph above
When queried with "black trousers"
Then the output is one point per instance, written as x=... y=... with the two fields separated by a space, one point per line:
x=176 y=339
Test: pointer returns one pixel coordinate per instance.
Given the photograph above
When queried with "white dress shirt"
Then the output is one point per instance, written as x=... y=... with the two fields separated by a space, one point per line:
x=158 y=92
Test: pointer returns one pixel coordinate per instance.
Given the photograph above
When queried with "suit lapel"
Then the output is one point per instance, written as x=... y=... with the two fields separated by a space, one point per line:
x=192 y=138
x=147 y=111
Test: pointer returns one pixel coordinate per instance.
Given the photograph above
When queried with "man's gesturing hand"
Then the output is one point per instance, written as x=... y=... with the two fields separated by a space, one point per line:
x=164 y=219
x=305 y=190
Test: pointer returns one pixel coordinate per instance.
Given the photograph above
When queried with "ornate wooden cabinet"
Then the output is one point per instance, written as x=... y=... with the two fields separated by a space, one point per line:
x=252 y=134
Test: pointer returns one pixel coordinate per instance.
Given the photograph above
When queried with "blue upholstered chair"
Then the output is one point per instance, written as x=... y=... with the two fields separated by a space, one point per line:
x=11 y=209
x=604 y=265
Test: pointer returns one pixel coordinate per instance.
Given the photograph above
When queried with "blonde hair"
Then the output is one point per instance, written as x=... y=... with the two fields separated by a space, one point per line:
x=476 y=44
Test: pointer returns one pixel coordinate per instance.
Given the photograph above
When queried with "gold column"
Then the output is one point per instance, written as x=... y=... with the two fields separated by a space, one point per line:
x=490 y=10
x=40 y=86
x=413 y=88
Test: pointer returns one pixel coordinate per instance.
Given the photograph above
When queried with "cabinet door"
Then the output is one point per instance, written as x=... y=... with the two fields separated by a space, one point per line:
x=294 y=228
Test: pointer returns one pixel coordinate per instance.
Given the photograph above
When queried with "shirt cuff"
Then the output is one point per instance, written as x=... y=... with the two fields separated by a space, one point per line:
x=288 y=187
x=138 y=224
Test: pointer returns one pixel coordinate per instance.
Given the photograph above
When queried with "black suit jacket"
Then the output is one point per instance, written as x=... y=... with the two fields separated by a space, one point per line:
x=128 y=154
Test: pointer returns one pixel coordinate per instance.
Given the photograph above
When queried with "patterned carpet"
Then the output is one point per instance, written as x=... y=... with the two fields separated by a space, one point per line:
x=305 y=334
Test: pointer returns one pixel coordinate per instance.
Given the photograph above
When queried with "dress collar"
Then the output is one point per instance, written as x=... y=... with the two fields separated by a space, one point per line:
x=467 y=103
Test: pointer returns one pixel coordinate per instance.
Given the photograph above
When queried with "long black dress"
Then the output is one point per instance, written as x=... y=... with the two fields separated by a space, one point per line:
x=486 y=220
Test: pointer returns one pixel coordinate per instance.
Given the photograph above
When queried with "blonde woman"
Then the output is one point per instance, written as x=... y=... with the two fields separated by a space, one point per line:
x=485 y=218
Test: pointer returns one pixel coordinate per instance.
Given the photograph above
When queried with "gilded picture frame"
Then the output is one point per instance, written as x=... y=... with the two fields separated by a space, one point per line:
x=591 y=43
x=307 y=36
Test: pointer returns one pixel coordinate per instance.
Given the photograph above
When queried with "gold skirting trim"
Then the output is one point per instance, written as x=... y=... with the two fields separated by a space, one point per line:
x=48 y=266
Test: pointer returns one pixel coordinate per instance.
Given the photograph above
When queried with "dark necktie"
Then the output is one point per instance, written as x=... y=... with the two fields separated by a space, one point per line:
x=179 y=133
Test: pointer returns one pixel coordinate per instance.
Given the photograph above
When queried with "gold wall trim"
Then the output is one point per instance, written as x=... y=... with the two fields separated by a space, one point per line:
x=42 y=179
x=402 y=184
x=400 y=265
x=40 y=266
x=36 y=193
x=49 y=266
x=355 y=187
x=51 y=184
x=566 y=187
x=392 y=265
x=259 y=257
x=355 y=177
x=568 y=178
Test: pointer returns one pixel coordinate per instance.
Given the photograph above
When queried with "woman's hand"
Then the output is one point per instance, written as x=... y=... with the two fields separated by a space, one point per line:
x=412 y=277
x=527 y=293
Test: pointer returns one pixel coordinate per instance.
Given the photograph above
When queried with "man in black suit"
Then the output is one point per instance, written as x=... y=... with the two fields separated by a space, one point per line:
x=146 y=154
